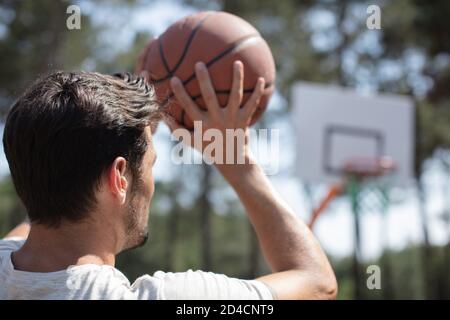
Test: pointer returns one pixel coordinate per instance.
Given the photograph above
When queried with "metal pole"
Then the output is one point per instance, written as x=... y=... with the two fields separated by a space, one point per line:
x=353 y=190
x=386 y=277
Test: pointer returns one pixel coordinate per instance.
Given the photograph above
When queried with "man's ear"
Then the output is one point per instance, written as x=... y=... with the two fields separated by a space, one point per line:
x=117 y=179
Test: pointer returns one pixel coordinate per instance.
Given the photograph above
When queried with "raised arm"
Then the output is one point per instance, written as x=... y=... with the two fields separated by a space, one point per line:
x=300 y=268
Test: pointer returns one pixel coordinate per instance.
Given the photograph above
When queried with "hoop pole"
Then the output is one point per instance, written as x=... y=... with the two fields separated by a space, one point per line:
x=332 y=193
x=387 y=283
x=353 y=189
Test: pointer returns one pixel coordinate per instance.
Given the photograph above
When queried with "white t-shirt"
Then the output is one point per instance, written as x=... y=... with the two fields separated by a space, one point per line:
x=94 y=282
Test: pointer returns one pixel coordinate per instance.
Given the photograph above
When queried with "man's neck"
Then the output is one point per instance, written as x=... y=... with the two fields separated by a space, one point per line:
x=54 y=249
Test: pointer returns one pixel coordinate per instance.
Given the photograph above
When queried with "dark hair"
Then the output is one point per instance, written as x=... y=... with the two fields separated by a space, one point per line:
x=66 y=130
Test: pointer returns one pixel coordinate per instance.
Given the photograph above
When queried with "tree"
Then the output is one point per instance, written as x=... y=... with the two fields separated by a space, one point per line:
x=36 y=41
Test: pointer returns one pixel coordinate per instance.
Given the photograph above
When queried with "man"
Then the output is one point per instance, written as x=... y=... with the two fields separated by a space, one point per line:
x=79 y=147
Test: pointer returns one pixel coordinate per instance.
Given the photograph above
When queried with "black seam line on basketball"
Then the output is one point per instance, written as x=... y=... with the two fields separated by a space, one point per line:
x=170 y=73
x=163 y=58
x=234 y=46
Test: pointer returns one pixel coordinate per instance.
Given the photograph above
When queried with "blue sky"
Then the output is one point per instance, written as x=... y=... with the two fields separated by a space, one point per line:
x=335 y=228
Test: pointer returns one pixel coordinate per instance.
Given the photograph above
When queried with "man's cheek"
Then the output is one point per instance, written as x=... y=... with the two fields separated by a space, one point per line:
x=152 y=186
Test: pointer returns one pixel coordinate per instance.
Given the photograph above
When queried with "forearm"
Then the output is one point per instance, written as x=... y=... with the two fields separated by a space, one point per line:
x=286 y=241
x=301 y=269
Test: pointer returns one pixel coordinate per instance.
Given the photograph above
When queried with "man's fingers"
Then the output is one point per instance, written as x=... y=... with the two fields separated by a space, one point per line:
x=185 y=100
x=250 y=106
x=207 y=90
x=237 y=90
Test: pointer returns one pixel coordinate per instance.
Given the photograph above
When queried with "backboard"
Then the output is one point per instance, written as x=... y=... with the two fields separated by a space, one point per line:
x=334 y=125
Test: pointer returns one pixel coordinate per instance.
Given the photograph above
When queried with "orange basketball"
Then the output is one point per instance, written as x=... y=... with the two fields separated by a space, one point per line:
x=217 y=39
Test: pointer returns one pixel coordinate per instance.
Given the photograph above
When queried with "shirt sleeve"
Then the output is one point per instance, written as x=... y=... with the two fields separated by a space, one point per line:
x=196 y=285
x=11 y=243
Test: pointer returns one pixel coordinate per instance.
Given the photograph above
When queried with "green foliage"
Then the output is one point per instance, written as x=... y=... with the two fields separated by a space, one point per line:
x=12 y=211
x=37 y=41
x=401 y=275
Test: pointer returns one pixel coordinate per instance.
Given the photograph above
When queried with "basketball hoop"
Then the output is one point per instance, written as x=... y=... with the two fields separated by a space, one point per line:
x=357 y=171
x=361 y=146
x=367 y=167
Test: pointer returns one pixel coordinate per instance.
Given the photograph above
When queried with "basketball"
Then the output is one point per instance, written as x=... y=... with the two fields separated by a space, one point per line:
x=217 y=39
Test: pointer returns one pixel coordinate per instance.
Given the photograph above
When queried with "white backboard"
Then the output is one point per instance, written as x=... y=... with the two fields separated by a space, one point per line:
x=336 y=124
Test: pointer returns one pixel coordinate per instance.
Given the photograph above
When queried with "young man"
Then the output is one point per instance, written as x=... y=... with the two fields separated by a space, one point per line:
x=79 y=146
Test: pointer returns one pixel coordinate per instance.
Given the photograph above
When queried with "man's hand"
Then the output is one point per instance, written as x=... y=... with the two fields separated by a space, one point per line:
x=300 y=269
x=233 y=118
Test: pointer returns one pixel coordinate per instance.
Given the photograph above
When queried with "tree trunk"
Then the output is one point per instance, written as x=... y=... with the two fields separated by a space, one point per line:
x=353 y=191
x=253 y=257
x=387 y=288
x=172 y=230
x=426 y=251
x=205 y=217
x=342 y=80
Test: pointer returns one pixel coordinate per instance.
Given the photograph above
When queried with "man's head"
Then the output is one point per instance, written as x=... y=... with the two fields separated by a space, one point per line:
x=81 y=143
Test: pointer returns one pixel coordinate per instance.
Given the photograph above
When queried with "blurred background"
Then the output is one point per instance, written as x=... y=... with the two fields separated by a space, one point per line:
x=196 y=220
